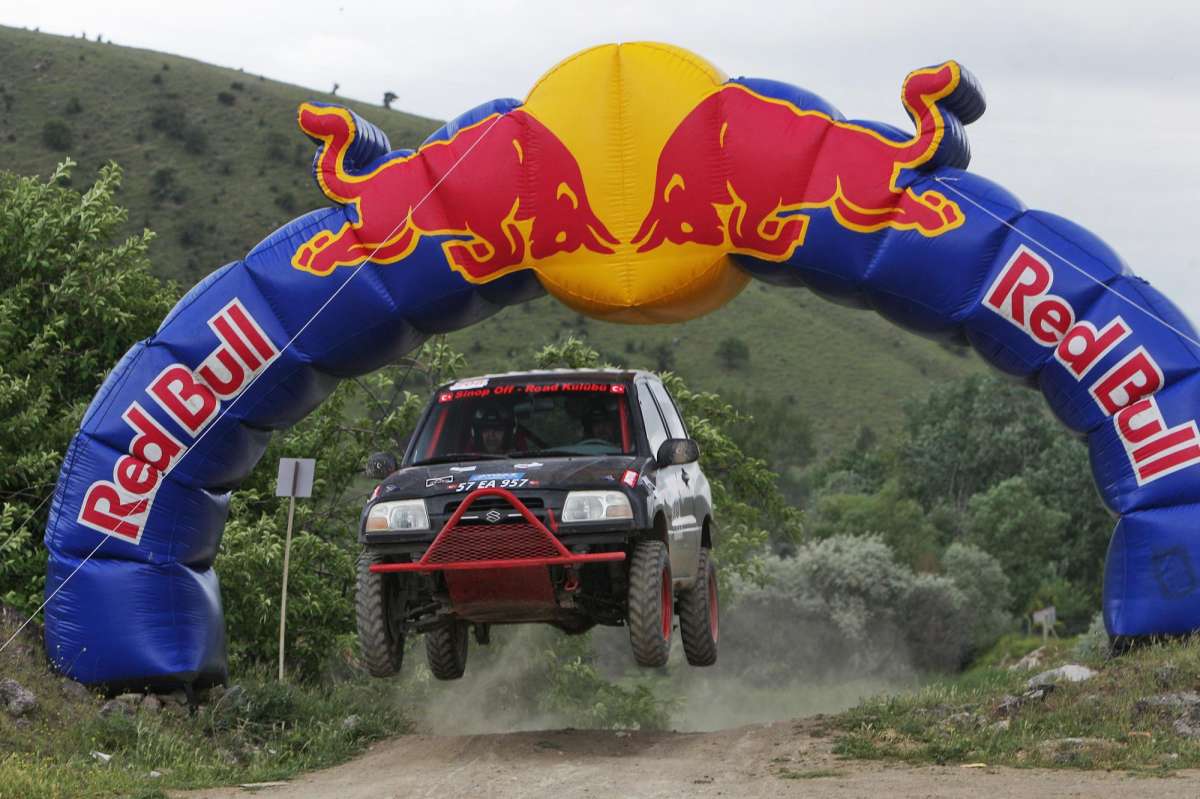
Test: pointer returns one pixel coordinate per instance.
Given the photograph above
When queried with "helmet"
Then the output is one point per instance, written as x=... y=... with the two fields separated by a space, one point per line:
x=492 y=418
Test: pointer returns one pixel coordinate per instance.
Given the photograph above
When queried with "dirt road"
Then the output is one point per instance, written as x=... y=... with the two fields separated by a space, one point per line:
x=766 y=760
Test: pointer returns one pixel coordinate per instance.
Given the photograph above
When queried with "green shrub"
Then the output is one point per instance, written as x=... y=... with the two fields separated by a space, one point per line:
x=985 y=591
x=733 y=353
x=844 y=607
x=57 y=135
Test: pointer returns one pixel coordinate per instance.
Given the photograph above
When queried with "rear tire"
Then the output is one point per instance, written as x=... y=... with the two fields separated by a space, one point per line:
x=698 y=614
x=651 y=604
x=446 y=650
x=378 y=620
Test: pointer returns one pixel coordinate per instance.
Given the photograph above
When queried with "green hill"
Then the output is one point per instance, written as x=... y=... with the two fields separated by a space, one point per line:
x=214 y=162
x=213 y=159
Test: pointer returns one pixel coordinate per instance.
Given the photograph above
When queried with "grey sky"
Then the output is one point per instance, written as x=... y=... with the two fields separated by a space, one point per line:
x=1093 y=106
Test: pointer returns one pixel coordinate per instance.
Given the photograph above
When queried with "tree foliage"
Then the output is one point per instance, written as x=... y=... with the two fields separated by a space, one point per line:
x=979 y=462
x=72 y=299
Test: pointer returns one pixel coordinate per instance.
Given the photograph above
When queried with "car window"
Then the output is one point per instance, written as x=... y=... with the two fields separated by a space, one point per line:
x=550 y=418
x=669 y=412
x=656 y=431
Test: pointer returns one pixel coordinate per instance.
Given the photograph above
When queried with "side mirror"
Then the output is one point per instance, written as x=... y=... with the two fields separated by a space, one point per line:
x=678 y=451
x=381 y=464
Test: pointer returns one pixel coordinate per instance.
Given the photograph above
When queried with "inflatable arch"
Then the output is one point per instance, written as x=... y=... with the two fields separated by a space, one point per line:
x=636 y=183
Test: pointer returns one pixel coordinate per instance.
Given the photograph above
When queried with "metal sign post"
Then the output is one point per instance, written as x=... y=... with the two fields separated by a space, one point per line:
x=295 y=480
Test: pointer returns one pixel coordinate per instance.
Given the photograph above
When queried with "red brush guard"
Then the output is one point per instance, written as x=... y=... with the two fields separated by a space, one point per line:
x=509 y=561
x=495 y=546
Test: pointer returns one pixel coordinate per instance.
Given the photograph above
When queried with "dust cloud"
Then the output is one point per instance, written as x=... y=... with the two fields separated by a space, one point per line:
x=772 y=666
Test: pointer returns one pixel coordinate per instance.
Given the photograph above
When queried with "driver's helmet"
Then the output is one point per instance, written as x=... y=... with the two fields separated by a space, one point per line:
x=492 y=418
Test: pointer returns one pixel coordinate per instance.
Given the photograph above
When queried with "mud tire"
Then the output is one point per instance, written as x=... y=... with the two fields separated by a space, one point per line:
x=446 y=650
x=651 y=604
x=381 y=641
x=698 y=614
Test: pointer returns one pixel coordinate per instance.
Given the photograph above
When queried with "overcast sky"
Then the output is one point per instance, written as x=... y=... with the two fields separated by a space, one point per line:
x=1093 y=107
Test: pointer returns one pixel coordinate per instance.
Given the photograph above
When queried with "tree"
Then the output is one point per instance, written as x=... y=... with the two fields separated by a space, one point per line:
x=733 y=353
x=72 y=300
x=388 y=99
x=57 y=135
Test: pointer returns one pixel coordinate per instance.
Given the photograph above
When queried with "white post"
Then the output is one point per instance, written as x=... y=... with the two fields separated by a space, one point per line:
x=295 y=479
x=287 y=557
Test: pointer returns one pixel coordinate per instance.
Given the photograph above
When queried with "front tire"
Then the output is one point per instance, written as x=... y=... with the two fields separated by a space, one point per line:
x=651 y=604
x=446 y=650
x=380 y=635
x=698 y=614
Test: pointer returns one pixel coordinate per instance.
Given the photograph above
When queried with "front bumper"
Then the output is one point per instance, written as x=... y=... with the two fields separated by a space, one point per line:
x=499 y=539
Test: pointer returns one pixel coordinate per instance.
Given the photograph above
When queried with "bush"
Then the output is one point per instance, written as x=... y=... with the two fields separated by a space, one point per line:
x=57 y=135
x=843 y=607
x=985 y=591
x=733 y=353
x=320 y=593
x=1093 y=645
x=226 y=98
x=73 y=298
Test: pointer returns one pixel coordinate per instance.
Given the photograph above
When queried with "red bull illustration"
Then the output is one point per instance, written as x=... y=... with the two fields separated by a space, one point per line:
x=847 y=168
x=511 y=212
x=636 y=183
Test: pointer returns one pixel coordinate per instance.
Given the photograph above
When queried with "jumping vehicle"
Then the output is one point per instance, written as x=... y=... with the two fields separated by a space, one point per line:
x=565 y=497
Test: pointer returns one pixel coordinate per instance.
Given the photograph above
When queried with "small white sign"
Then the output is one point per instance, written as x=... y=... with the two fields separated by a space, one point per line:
x=464 y=385
x=1046 y=616
x=295 y=477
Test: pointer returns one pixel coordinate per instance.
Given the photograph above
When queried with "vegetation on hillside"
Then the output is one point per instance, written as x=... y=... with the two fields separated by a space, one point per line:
x=213 y=158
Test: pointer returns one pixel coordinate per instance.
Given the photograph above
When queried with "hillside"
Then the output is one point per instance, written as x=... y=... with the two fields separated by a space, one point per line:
x=213 y=163
x=212 y=156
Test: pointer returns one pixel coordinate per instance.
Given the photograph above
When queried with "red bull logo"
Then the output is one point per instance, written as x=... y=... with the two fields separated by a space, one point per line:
x=741 y=167
x=628 y=213
x=501 y=211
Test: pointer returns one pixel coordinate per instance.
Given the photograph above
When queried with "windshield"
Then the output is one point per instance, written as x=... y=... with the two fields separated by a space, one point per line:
x=474 y=420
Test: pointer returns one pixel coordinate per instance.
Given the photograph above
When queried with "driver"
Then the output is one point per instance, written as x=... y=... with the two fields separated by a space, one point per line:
x=492 y=431
x=598 y=423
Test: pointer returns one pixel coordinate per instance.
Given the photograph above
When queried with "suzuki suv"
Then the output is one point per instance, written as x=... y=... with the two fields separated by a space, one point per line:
x=566 y=497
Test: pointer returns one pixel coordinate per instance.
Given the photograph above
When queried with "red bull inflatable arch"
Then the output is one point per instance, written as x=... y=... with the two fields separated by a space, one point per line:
x=636 y=183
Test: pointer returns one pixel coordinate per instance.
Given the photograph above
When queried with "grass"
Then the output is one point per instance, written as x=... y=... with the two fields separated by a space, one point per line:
x=1095 y=724
x=260 y=732
x=214 y=162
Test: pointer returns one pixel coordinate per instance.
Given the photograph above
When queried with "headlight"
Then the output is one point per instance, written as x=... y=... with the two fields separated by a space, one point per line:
x=593 y=506
x=407 y=514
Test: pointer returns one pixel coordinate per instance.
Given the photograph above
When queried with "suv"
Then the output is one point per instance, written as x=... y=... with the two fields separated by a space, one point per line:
x=565 y=497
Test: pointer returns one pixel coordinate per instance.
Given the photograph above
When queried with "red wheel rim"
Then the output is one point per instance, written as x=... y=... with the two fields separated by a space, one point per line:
x=712 y=605
x=667 y=603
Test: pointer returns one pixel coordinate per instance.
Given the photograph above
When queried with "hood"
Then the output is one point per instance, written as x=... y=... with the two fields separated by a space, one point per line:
x=579 y=471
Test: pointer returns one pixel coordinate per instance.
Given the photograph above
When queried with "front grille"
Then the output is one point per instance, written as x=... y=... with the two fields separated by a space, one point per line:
x=475 y=542
x=484 y=504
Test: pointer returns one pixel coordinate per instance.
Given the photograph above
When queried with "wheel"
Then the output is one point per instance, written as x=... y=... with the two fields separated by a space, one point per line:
x=651 y=606
x=698 y=614
x=379 y=609
x=446 y=650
